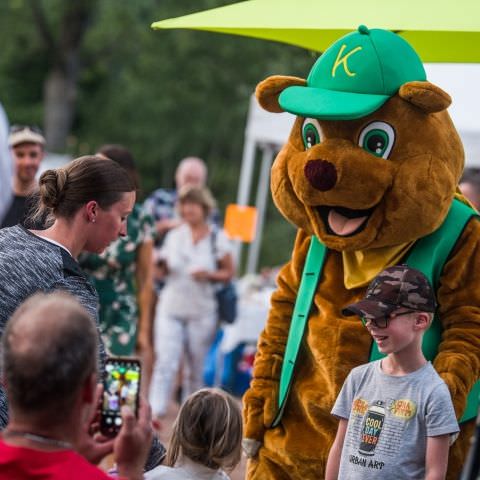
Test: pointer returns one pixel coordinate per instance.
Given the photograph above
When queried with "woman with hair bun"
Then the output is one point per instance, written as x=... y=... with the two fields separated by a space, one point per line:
x=87 y=202
x=123 y=277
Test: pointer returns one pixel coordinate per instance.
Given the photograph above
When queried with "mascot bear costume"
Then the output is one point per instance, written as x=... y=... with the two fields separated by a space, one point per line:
x=369 y=176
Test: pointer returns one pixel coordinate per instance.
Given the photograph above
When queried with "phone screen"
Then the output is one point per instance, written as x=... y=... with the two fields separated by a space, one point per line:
x=121 y=387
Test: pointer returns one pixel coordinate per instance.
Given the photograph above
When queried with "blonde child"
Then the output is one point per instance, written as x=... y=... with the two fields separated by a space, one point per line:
x=206 y=439
x=396 y=414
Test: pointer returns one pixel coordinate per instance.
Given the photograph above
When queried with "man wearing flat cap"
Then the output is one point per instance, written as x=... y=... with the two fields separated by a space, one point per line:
x=27 y=145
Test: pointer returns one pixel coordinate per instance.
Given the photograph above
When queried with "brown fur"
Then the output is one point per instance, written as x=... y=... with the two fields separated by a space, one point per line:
x=267 y=92
x=429 y=98
x=411 y=192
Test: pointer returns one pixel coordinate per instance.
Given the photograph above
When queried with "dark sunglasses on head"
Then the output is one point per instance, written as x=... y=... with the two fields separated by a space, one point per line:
x=382 y=322
x=20 y=128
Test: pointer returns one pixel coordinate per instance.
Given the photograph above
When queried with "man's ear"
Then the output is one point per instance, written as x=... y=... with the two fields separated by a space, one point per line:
x=89 y=388
x=268 y=90
x=426 y=96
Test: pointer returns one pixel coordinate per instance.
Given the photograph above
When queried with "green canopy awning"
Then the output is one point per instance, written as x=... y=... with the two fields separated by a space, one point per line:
x=439 y=30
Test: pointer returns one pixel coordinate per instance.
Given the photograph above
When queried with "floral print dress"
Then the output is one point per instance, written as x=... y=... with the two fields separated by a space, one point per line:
x=113 y=275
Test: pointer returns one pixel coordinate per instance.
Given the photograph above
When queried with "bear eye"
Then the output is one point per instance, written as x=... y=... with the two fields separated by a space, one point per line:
x=311 y=132
x=377 y=138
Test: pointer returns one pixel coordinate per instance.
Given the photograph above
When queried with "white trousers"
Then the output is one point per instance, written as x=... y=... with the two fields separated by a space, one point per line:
x=177 y=338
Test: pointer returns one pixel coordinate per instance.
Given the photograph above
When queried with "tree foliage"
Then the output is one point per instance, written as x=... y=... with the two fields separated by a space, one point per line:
x=164 y=94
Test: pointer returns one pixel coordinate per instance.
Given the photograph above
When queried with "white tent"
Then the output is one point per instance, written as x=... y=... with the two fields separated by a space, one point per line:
x=462 y=82
x=267 y=132
x=6 y=166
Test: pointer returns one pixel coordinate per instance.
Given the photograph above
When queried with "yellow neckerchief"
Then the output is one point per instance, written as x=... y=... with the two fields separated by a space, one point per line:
x=362 y=266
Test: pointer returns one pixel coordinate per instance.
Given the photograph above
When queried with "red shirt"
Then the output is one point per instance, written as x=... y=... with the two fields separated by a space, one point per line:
x=22 y=463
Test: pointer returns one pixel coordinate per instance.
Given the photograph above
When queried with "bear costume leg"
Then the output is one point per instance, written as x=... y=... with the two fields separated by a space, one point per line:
x=459 y=450
x=271 y=465
x=264 y=468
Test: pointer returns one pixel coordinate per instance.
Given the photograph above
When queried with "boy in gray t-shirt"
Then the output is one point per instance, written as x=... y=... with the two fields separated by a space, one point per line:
x=396 y=414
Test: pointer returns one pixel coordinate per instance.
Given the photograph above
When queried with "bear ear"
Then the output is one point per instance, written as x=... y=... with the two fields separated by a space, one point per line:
x=268 y=90
x=426 y=96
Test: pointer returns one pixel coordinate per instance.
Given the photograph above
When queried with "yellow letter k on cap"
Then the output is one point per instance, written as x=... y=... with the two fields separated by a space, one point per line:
x=343 y=60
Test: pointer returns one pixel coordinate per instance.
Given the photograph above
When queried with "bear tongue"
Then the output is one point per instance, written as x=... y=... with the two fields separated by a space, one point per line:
x=342 y=225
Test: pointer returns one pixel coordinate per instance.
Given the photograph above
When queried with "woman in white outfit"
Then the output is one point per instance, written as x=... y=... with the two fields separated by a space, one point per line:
x=196 y=258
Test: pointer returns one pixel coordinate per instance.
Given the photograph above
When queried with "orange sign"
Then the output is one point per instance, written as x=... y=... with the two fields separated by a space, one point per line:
x=240 y=222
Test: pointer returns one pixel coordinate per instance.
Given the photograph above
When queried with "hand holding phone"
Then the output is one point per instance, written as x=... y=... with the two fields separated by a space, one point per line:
x=121 y=387
x=132 y=445
x=90 y=444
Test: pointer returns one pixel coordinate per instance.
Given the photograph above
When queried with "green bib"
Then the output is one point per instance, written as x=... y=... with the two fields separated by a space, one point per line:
x=429 y=255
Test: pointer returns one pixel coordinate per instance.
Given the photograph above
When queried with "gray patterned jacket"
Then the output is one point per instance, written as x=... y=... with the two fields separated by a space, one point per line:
x=29 y=264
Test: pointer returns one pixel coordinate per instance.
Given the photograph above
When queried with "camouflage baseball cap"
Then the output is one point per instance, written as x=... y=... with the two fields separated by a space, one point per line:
x=395 y=287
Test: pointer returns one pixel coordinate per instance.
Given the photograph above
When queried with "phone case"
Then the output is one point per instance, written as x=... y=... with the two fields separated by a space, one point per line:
x=121 y=387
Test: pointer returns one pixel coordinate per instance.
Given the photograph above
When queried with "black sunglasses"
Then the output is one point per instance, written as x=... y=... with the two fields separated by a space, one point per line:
x=382 y=322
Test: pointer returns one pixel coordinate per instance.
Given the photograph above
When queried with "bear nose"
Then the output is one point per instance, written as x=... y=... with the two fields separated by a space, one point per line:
x=321 y=174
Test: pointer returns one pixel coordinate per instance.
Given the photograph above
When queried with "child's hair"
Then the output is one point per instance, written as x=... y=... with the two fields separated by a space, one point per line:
x=207 y=430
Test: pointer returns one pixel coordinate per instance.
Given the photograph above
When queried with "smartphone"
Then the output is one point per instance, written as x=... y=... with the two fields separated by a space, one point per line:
x=121 y=387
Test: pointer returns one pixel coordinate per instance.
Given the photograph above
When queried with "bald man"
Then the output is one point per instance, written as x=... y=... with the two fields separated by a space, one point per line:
x=161 y=203
x=49 y=357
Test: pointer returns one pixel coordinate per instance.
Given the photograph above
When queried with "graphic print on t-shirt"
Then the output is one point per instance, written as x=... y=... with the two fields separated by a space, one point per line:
x=371 y=428
x=377 y=428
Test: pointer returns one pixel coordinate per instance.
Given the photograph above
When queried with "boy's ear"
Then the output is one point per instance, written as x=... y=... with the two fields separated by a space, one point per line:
x=268 y=91
x=423 y=320
x=426 y=96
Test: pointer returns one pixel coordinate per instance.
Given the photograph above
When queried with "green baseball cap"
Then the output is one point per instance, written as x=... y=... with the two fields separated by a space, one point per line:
x=355 y=76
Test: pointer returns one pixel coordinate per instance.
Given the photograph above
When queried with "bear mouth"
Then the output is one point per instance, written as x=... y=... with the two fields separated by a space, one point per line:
x=344 y=222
